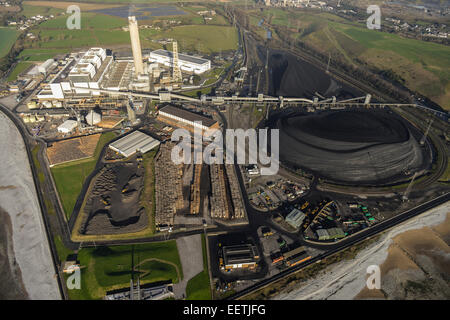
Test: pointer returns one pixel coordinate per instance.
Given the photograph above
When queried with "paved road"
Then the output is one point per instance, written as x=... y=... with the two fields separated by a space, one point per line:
x=191 y=256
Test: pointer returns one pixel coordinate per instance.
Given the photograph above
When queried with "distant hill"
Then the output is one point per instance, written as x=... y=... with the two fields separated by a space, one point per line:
x=429 y=2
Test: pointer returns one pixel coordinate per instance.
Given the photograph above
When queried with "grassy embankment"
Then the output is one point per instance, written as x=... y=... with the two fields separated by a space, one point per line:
x=108 y=268
x=69 y=177
x=198 y=288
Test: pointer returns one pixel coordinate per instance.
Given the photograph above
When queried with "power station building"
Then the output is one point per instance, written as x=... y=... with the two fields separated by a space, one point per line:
x=85 y=72
x=183 y=118
x=187 y=63
x=134 y=142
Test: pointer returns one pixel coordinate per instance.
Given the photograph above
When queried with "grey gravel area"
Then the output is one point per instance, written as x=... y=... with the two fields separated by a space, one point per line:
x=191 y=255
x=31 y=252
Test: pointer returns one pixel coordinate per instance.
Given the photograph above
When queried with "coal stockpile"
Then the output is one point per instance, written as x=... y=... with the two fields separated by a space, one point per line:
x=362 y=146
x=293 y=77
x=113 y=205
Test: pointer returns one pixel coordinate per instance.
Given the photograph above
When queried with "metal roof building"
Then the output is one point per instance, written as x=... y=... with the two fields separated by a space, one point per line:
x=67 y=126
x=187 y=117
x=240 y=256
x=133 y=142
x=187 y=63
x=295 y=218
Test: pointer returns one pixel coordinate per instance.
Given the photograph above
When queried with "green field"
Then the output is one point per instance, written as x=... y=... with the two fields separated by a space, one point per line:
x=8 y=36
x=29 y=11
x=104 y=30
x=18 y=69
x=40 y=54
x=107 y=268
x=198 y=288
x=69 y=177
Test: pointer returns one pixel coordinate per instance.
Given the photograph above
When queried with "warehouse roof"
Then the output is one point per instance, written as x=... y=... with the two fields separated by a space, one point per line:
x=239 y=254
x=68 y=125
x=133 y=142
x=182 y=57
x=187 y=115
x=295 y=218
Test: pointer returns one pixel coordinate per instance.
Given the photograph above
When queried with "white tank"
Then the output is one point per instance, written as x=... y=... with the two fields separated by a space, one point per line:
x=93 y=118
x=57 y=104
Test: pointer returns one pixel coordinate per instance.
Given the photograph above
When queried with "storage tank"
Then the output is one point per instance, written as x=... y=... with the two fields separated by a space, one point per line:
x=32 y=105
x=93 y=118
x=57 y=104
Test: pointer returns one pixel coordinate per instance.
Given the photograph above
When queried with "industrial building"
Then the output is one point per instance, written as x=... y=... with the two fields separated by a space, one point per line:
x=46 y=66
x=85 y=72
x=240 y=256
x=330 y=234
x=295 y=218
x=187 y=63
x=134 y=142
x=180 y=117
x=68 y=126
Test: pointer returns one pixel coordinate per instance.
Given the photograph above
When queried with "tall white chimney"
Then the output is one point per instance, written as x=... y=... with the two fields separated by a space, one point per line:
x=136 y=45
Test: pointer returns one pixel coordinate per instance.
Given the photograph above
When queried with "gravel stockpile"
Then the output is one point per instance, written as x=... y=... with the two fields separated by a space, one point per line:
x=349 y=146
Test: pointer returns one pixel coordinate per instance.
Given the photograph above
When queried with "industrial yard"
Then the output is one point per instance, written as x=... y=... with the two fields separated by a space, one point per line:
x=99 y=113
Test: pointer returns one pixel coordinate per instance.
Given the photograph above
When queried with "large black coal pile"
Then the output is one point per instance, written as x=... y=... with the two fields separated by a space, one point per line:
x=373 y=147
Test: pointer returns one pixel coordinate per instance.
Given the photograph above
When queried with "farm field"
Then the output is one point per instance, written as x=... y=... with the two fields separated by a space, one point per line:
x=69 y=177
x=107 y=268
x=106 y=31
x=32 y=9
x=8 y=36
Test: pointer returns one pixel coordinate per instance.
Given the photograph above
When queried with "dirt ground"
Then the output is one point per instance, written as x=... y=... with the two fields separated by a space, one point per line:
x=72 y=149
x=417 y=266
